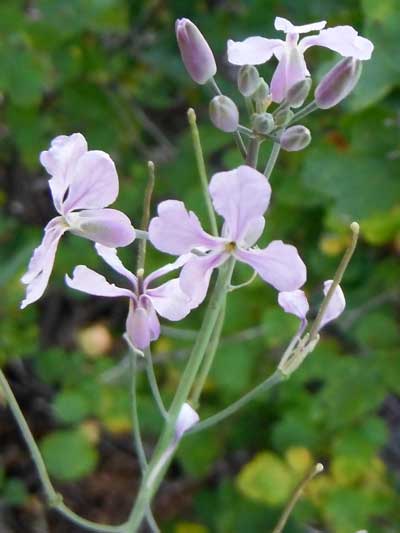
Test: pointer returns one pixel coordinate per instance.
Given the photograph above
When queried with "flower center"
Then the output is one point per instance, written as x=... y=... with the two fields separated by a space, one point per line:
x=230 y=246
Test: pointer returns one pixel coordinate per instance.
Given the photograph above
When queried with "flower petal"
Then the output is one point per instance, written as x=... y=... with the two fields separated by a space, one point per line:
x=109 y=227
x=169 y=300
x=240 y=196
x=41 y=264
x=94 y=183
x=291 y=69
x=341 y=39
x=85 y=279
x=166 y=269
x=110 y=256
x=279 y=264
x=195 y=275
x=142 y=324
x=187 y=418
x=294 y=302
x=60 y=161
x=177 y=231
x=282 y=24
x=336 y=305
x=253 y=232
x=252 y=51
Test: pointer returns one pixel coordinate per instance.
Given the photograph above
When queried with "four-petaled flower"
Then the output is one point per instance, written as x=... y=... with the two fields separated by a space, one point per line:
x=82 y=184
x=142 y=324
x=241 y=197
x=292 y=67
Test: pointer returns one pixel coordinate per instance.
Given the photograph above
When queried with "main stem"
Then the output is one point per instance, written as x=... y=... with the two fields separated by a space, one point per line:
x=154 y=473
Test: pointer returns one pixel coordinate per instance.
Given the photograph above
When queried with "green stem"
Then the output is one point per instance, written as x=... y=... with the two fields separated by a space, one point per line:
x=161 y=457
x=309 y=108
x=317 y=469
x=273 y=380
x=201 y=166
x=252 y=152
x=208 y=359
x=276 y=148
x=54 y=499
x=151 y=376
x=146 y=215
x=135 y=416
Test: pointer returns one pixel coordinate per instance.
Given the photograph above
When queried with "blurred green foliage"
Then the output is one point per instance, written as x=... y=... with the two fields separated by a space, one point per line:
x=111 y=69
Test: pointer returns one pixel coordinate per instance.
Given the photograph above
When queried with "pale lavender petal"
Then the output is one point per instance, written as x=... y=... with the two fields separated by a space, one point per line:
x=187 y=418
x=60 y=161
x=152 y=319
x=110 y=256
x=85 y=279
x=253 y=232
x=341 y=39
x=282 y=24
x=294 y=302
x=177 y=231
x=195 y=275
x=290 y=70
x=279 y=264
x=137 y=327
x=166 y=269
x=169 y=300
x=109 y=227
x=41 y=264
x=240 y=196
x=252 y=51
x=336 y=305
x=94 y=183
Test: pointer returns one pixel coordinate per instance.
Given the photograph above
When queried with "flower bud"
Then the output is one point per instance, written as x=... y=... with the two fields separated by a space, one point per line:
x=262 y=95
x=295 y=138
x=248 y=80
x=195 y=51
x=224 y=114
x=298 y=93
x=283 y=117
x=263 y=123
x=338 y=83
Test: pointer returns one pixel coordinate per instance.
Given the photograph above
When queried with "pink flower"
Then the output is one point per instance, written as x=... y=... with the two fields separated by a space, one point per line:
x=292 y=67
x=142 y=324
x=241 y=197
x=295 y=303
x=82 y=184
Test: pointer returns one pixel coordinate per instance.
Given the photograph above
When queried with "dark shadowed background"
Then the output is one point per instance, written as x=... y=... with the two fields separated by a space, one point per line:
x=110 y=69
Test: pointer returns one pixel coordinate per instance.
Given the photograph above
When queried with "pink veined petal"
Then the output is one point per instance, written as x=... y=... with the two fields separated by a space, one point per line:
x=341 y=39
x=41 y=264
x=110 y=256
x=294 y=302
x=60 y=161
x=94 y=183
x=282 y=24
x=109 y=227
x=291 y=69
x=85 y=279
x=195 y=275
x=253 y=50
x=239 y=196
x=169 y=300
x=336 y=305
x=177 y=231
x=278 y=264
x=187 y=418
x=166 y=269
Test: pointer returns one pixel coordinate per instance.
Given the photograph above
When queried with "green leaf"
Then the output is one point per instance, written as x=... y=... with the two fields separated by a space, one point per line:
x=71 y=406
x=14 y=491
x=68 y=454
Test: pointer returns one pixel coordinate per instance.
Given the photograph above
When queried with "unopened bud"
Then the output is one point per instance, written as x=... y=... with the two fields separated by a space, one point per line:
x=195 y=51
x=187 y=418
x=263 y=123
x=295 y=138
x=262 y=95
x=248 y=80
x=283 y=117
x=224 y=114
x=298 y=93
x=338 y=83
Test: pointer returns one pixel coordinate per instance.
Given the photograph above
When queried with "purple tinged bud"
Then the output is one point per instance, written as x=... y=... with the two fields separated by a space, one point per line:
x=262 y=96
x=263 y=123
x=248 y=80
x=338 y=83
x=298 y=93
x=195 y=51
x=224 y=114
x=295 y=138
x=283 y=117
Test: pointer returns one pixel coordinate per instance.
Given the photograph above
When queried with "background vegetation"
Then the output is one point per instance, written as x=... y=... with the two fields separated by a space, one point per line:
x=111 y=70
